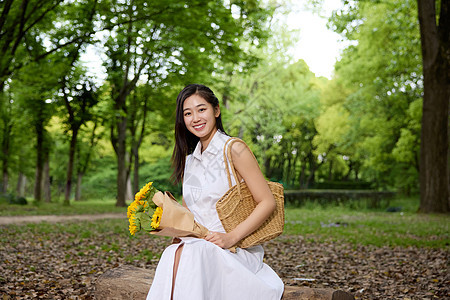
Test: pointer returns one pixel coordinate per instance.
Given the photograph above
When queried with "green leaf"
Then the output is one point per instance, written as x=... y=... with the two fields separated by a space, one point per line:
x=144 y=221
x=149 y=197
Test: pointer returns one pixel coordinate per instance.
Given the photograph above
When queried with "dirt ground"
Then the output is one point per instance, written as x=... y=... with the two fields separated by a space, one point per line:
x=66 y=265
x=54 y=219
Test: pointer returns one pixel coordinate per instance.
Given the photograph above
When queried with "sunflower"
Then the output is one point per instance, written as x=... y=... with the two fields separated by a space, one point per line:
x=132 y=208
x=141 y=195
x=140 y=210
x=133 y=224
x=156 y=218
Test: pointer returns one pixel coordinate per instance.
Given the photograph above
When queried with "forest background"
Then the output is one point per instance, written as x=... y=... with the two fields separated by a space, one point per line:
x=376 y=124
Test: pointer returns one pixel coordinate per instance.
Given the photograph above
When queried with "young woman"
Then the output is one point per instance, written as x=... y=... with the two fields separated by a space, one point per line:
x=203 y=268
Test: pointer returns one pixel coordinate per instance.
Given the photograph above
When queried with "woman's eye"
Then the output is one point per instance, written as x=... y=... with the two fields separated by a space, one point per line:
x=187 y=114
x=202 y=109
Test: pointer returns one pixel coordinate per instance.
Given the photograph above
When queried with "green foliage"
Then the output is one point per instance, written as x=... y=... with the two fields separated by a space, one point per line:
x=373 y=109
x=281 y=139
x=11 y=199
x=16 y=154
x=101 y=181
x=159 y=172
x=361 y=126
x=63 y=25
x=168 y=49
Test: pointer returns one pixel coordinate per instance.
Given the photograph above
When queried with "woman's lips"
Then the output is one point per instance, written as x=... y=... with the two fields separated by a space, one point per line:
x=199 y=127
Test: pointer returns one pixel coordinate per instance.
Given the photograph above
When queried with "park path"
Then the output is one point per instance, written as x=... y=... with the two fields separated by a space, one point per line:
x=6 y=220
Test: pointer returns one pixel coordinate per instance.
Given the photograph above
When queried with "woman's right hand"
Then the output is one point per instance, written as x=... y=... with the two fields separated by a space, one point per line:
x=223 y=240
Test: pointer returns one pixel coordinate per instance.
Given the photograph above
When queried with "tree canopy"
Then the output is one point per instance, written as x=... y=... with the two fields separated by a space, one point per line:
x=370 y=125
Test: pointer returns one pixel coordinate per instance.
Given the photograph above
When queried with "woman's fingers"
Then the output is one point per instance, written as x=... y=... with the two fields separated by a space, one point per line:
x=220 y=239
x=209 y=236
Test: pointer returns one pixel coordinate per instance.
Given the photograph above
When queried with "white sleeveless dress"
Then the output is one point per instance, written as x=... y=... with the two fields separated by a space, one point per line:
x=206 y=271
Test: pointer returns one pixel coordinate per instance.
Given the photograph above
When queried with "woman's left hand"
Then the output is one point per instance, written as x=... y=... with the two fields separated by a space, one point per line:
x=223 y=240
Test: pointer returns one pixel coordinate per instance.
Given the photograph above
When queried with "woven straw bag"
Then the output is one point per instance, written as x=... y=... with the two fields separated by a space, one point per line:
x=238 y=203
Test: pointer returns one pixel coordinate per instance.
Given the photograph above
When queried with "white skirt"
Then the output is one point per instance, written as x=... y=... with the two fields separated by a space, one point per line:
x=206 y=271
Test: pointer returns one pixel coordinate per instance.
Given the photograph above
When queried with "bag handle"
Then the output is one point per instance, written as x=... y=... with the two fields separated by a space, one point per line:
x=227 y=169
x=227 y=152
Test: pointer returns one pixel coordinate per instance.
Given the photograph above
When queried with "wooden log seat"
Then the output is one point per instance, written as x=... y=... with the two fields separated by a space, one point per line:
x=132 y=283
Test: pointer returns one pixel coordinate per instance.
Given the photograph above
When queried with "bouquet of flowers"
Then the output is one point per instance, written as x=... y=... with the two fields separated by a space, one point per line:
x=160 y=214
x=142 y=213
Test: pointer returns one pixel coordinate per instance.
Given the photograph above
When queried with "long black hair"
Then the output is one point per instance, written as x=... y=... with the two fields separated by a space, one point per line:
x=185 y=141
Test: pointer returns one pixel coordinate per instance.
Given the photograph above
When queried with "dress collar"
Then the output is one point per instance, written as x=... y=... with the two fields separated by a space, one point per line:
x=214 y=145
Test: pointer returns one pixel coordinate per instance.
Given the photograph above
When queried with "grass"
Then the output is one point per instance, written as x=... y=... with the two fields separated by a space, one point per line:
x=369 y=228
x=363 y=226
x=341 y=223
x=57 y=208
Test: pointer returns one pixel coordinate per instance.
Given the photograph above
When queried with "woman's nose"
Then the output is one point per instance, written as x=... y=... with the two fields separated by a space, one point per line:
x=196 y=117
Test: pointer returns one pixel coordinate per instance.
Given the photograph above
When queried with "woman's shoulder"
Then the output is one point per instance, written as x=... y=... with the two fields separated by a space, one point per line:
x=238 y=147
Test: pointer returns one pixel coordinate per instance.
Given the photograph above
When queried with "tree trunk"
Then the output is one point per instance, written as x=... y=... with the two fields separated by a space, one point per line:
x=268 y=166
x=311 y=179
x=5 y=155
x=37 y=184
x=78 y=186
x=312 y=170
x=330 y=170
x=5 y=177
x=21 y=184
x=302 y=175
x=288 y=169
x=73 y=144
x=46 y=181
x=129 y=282
x=135 y=170
x=129 y=194
x=434 y=156
x=121 y=161
x=39 y=162
x=350 y=169
x=294 y=169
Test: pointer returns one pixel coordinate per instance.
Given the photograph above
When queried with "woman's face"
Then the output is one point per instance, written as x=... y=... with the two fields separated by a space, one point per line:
x=200 y=117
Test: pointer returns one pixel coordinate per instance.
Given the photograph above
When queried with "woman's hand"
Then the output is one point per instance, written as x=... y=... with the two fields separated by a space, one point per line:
x=223 y=240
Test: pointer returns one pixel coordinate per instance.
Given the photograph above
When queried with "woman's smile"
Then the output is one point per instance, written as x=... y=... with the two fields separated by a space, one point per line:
x=199 y=127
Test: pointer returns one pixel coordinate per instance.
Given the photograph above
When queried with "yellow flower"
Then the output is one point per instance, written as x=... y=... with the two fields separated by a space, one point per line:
x=141 y=194
x=133 y=228
x=156 y=218
x=132 y=208
x=138 y=210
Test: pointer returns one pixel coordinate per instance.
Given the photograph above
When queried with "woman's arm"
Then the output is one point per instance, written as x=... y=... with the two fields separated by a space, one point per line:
x=247 y=167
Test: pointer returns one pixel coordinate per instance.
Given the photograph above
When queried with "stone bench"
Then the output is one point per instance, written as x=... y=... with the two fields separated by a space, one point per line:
x=132 y=283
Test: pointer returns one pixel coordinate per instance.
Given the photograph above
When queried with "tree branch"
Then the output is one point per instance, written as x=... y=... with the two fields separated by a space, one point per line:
x=23 y=32
x=5 y=12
